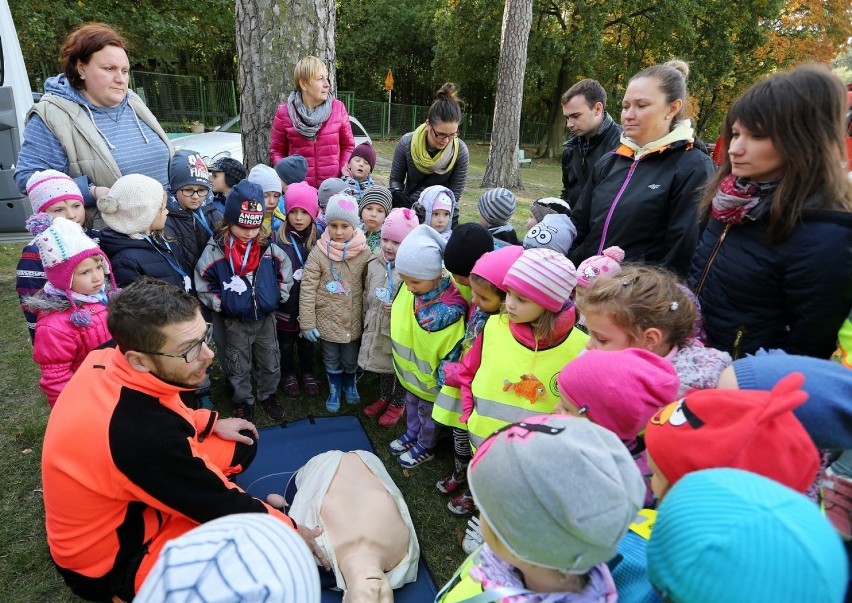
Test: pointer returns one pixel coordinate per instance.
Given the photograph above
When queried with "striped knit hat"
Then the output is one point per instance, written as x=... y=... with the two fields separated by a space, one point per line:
x=240 y=557
x=49 y=187
x=543 y=276
x=378 y=194
x=497 y=206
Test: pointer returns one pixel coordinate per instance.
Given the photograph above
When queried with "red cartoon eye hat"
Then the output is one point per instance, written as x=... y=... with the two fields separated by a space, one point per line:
x=751 y=430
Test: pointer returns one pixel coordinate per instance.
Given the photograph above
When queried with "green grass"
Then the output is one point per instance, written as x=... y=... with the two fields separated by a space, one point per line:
x=26 y=571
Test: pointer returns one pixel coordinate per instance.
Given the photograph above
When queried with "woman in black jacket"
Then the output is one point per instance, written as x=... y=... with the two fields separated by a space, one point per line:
x=774 y=265
x=643 y=197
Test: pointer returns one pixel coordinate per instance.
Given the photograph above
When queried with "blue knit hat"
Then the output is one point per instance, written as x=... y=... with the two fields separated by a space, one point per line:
x=497 y=206
x=292 y=169
x=827 y=413
x=244 y=205
x=731 y=535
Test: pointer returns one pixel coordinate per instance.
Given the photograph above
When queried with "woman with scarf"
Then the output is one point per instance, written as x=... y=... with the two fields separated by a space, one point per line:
x=431 y=155
x=773 y=268
x=643 y=197
x=312 y=124
x=89 y=125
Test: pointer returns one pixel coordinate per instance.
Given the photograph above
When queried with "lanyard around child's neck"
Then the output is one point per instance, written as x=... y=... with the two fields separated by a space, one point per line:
x=169 y=257
x=296 y=249
x=245 y=256
x=339 y=277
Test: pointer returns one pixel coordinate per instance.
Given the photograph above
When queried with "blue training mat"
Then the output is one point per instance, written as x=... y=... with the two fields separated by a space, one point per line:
x=283 y=449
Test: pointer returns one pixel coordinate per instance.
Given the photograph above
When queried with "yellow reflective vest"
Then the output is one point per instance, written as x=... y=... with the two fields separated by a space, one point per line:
x=504 y=362
x=463 y=589
x=416 y=351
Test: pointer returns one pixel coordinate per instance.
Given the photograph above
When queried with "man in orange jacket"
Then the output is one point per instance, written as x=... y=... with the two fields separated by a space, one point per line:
x=126 y=466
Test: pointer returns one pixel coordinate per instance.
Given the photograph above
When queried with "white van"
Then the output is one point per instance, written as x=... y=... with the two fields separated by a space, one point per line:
x=16 y=98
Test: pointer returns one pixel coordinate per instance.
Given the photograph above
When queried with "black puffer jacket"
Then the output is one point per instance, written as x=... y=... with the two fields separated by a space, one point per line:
x=184 y=230
x=132 y=259
x=792 y=295
x=653 y=204
x=576 y=167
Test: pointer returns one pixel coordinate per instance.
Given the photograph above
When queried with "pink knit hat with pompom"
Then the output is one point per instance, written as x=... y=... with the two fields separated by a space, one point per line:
x=62 y=245
x=606 y=265
x=399 y=223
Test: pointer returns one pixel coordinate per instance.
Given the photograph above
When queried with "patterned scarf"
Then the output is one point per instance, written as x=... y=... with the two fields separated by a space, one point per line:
x=739 y=199
x=235 y=251
x=334 y=250
x=307 y=121
x=441 y=163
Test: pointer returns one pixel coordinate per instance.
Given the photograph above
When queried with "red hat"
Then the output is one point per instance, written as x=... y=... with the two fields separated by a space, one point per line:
x=750 y=430
x=620 y=390
x=494 y=265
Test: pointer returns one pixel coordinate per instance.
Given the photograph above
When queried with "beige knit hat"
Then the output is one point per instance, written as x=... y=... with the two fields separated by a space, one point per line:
x=132 y=204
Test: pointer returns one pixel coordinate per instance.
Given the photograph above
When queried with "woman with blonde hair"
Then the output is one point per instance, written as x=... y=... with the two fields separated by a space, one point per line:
x=313 y=124
x=643 y=197
x=774 y=265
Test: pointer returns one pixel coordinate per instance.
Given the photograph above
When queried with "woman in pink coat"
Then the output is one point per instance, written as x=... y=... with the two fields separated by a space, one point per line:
x=312 y=124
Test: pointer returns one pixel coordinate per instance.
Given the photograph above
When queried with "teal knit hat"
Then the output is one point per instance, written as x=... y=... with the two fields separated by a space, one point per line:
x=731 y=535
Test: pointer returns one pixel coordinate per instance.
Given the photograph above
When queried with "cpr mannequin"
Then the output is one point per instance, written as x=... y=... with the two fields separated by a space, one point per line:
x=367 y=531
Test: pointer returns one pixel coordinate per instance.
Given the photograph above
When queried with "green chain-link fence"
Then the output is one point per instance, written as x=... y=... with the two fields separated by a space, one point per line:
x=179 y=100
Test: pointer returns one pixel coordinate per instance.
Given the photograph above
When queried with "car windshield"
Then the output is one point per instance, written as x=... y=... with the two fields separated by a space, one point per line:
x=231 y=126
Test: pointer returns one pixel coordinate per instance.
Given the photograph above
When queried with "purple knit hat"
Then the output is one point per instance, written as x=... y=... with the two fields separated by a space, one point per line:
x=62 y=245
x=49 y=187
x=543 y=276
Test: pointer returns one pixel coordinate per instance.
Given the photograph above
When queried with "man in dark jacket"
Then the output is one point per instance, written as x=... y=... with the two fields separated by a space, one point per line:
x=593 y=133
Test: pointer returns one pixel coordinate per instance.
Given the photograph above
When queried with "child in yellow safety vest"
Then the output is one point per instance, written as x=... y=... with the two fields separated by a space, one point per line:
x=556 y=494
x=510 y=372
x=427 y=326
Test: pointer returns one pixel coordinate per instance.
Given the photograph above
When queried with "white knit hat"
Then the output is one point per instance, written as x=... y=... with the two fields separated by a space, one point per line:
x=132 y=204
x=50 y=186
x=239 y=557
x=62 y=245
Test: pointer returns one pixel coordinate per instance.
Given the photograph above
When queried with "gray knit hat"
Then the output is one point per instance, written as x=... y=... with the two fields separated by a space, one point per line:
x=497 y=206
x=555 y=231
x=421 y=254
x=266 y=178
x=329 y=187
x=559 y=492
x=292 y=169
x=240 y=557
x=342 y=207
x=132 y=204
x=376 y=194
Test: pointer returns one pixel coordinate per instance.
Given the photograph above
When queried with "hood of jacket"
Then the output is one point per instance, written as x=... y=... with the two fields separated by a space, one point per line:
x=427 y=200
x=112 y=242
x=60 y=86
x=682 y=132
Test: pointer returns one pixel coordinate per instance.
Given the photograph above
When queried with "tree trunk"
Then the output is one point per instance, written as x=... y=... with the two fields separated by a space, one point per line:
x=551 y=146
x=272 y=35
x=503 y=169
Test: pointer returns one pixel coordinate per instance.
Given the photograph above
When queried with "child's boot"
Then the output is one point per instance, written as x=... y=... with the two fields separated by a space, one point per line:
x=332 y=404
x=392 y=415
x=350 y=389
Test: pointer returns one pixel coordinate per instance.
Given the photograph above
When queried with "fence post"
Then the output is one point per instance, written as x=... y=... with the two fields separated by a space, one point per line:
x=202 y=99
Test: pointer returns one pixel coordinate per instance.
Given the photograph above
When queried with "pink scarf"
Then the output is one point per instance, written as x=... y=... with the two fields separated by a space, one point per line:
x=741 y=198
x=334 y=250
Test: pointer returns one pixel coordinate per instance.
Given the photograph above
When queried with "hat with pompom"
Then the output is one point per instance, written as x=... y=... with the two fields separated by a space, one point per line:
x=49 y=187
x=62 y=245
x=132 y=204
x=399 y=223
x=606 y=265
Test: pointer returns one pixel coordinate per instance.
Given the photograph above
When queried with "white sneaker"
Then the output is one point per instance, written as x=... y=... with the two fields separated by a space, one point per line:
x=472 y=536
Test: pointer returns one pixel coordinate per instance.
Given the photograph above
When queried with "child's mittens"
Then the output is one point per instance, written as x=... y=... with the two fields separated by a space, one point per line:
x=451 y=374
x=311 y=335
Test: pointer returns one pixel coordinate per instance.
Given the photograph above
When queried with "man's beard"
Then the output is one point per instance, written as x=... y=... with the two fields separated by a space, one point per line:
x=172 y=379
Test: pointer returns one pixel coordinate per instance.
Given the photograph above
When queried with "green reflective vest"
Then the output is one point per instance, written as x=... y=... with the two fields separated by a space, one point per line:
x=416 y=351
x=504 y=362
